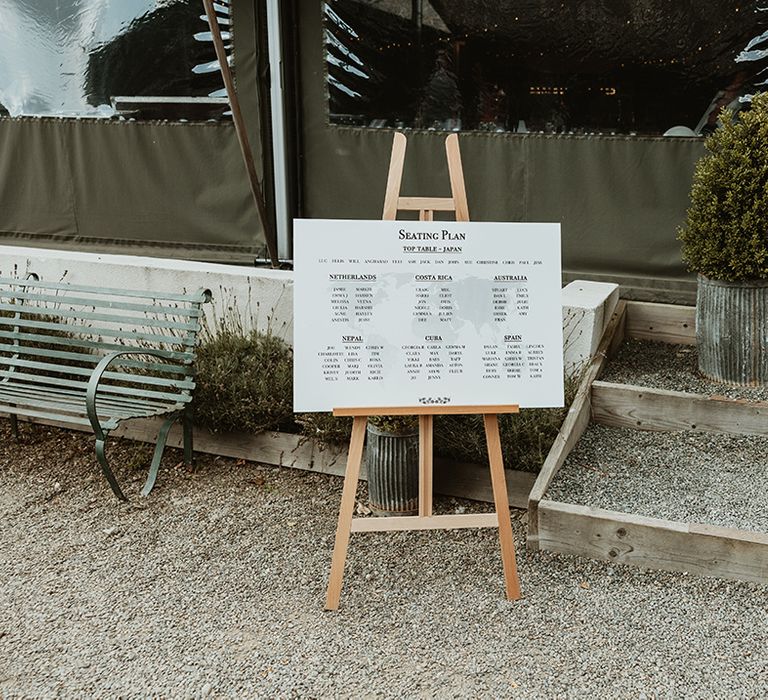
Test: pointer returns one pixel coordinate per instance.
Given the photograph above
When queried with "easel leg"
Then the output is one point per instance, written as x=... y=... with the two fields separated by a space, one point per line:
x=346 y=511
x=425 y=466
x=501 y=498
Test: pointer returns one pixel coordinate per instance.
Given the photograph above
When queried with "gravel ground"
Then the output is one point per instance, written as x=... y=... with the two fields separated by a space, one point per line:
x=682 y=476
x=214 y=587
x=671 y=367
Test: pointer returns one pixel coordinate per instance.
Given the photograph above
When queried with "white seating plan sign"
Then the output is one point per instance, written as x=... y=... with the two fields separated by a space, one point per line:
x=426 y=313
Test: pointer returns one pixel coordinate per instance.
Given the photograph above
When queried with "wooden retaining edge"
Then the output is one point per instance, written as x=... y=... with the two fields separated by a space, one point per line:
x=458 y=479
x=663 y=322
x=473 y=481
x=576 y=421
x=625 y=538
x=704 y=550
x=643 y=408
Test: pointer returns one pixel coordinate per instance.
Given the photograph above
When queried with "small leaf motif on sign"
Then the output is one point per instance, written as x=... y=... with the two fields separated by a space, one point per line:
x=434 y=400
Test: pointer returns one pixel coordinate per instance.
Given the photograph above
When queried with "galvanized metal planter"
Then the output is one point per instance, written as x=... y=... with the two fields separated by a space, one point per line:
x=393 y=472
x=732 y=331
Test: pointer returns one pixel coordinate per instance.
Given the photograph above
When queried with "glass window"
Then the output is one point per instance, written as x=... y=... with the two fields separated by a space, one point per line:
x=75 y=57
x=557 y=66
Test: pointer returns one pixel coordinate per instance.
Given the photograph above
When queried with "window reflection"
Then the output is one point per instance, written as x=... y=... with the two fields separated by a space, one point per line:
x=557 y=66
x=71 y=57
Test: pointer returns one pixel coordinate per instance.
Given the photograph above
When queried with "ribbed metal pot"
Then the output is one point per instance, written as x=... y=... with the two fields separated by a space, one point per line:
x=732 y=331
x=393 y=472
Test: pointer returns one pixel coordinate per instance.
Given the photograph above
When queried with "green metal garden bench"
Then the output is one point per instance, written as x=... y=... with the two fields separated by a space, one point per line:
x=84 y=355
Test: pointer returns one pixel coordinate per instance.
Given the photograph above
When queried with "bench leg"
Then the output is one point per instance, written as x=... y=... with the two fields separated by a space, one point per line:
x=162 y=438
x=186 y=423
x=14 y=426
x=102 y=457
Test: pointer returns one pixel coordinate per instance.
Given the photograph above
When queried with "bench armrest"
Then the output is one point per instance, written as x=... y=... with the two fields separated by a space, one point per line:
x=93 y=384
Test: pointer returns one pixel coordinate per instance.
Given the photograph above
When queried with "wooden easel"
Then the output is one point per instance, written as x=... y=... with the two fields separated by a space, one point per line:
x=425 y=520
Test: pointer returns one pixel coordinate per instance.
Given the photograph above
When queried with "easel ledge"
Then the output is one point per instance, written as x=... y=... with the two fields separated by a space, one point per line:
x=432 y=410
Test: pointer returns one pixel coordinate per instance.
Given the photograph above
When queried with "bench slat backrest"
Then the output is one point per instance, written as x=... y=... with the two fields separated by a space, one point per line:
x=54 y=333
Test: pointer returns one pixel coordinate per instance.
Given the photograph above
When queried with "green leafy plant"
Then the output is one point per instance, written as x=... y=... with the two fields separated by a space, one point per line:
x=331 y=429
x=244 y=381
x=526 y=437
x=396 y=425
x=725 y=236
x=325 y=427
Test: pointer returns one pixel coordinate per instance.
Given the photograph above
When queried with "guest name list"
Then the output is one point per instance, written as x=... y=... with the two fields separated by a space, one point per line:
x=396 y=313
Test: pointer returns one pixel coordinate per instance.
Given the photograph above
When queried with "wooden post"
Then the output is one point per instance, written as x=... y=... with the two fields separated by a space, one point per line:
x=395 y=177
x=344 y=526
x=270 y=236
x=426 y=206
x=456 y=173
x=425 y=466
x=501 y=499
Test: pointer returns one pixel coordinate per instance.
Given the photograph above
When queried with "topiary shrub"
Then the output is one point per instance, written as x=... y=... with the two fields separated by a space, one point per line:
x=725 y=236
x=244 y=382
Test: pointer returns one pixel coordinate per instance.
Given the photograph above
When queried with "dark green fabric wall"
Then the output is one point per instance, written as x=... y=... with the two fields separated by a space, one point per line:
x=619 y=199
x=180 y=189
x=145 y=188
